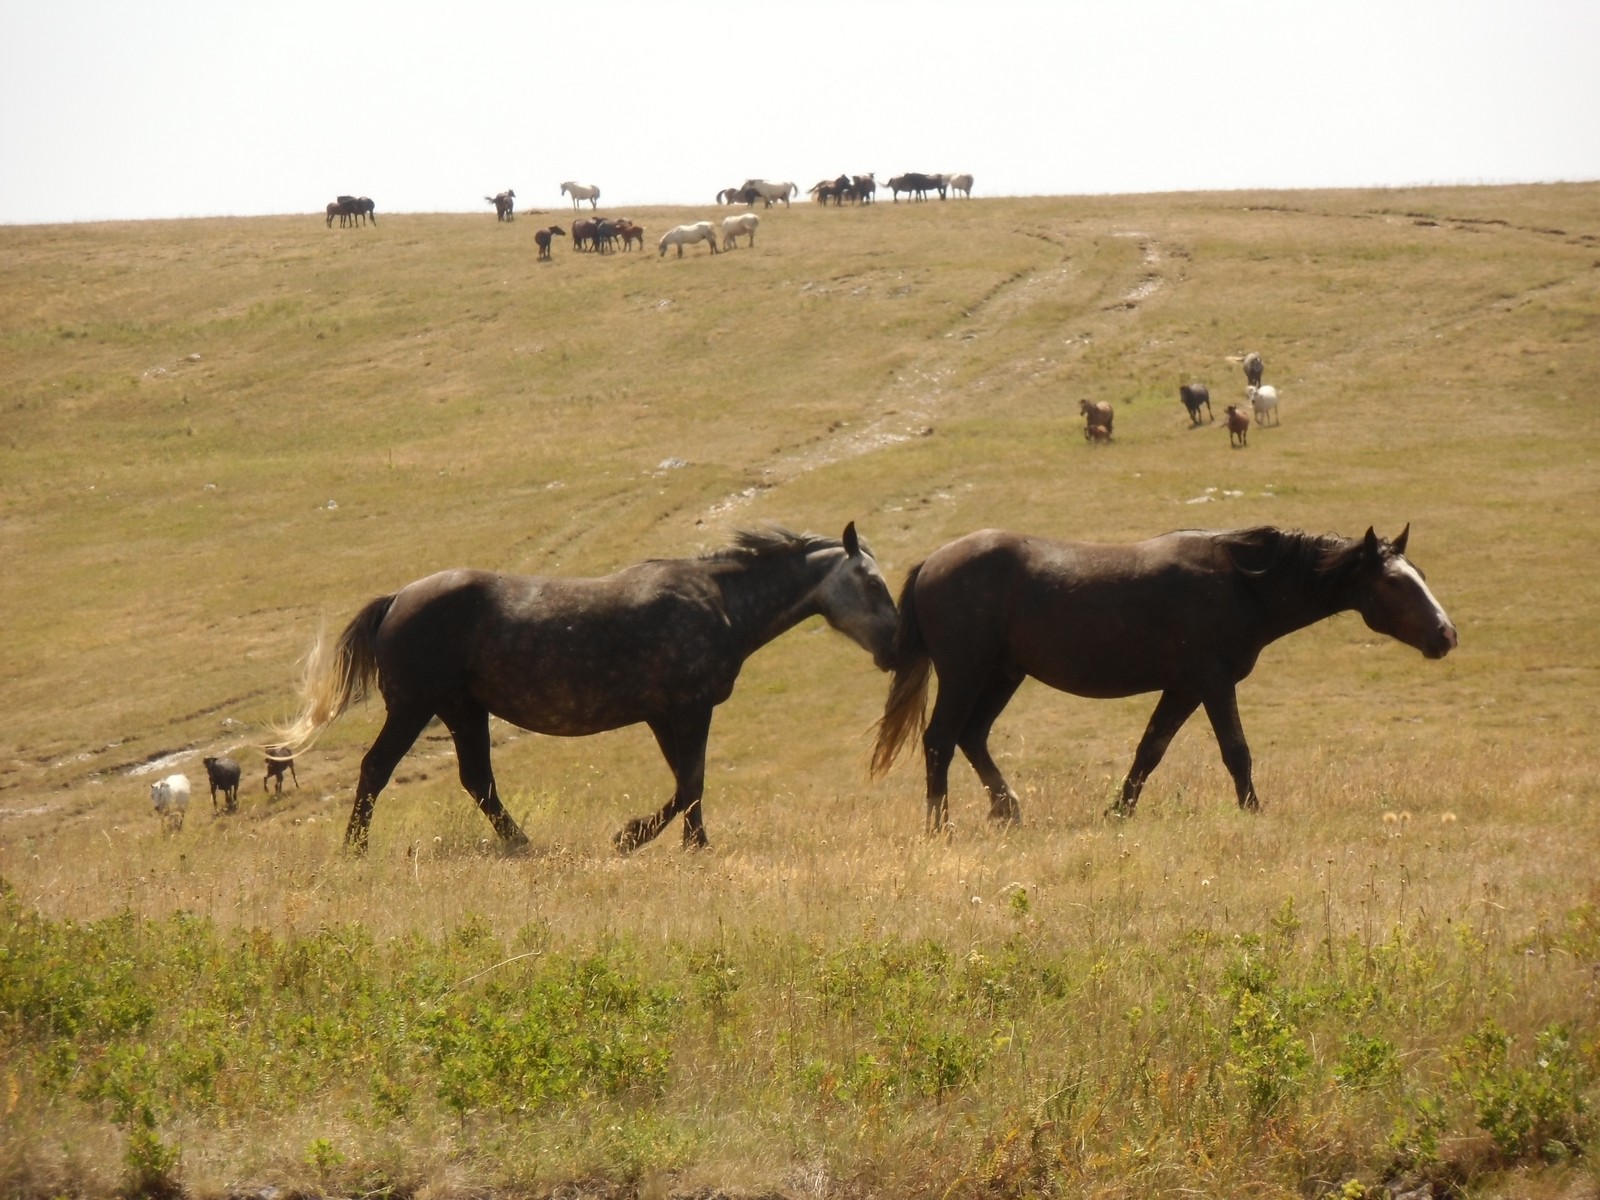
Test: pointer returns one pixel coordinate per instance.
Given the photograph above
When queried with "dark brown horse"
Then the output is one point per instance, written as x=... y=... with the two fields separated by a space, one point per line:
x=542 y=239
x=1185 y=615
x=660 y=642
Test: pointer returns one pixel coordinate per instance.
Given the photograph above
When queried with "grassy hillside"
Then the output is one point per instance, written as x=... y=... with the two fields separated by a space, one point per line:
x=220 y=435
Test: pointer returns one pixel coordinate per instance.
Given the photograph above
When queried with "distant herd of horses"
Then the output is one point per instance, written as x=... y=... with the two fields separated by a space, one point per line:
x=352 y=210
x=1098 y=415
x=853 y=189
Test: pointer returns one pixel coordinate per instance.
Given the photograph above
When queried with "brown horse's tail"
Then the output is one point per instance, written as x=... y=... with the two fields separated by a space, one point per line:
x=905 y=712
x=335 y=677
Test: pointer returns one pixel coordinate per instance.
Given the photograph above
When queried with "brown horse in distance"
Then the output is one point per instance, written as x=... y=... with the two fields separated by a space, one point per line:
x=1185 y=614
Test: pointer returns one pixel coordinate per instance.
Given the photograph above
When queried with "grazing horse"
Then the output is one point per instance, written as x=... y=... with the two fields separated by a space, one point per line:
x=504 y=204
x=772 y=191
x=583 y=232
x=732 y=227
x=1096 y=412
x=581 y=192
x=630 y=233
x=367 y=208
x=346 y=208
x=1238 y=426
x=1195 y=396
x=917 y=185
x=1185 y=614
x=961 y=183
x=687 y=235
x=838 y=190
x=865 y=186
x=661 y=642
x=739 y=195
x=543 y=236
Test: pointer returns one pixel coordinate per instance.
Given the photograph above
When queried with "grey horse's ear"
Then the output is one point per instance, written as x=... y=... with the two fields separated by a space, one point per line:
x=852 y=544
x=1399 y=543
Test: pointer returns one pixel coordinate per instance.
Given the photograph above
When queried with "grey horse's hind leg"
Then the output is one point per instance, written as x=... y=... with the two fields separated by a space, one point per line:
x=400 y=729
x=469 y=726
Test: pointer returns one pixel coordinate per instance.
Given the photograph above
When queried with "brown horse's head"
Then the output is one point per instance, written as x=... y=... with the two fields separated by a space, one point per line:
x=1394 y=599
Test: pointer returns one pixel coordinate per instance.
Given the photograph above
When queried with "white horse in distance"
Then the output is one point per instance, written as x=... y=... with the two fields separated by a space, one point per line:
x=961 y=183
x=1264 y=403
x=773 y=191
x=581 y=192
x=732 y=227
x=688 y=235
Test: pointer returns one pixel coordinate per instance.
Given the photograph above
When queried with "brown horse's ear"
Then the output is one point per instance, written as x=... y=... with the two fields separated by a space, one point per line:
x=852 y=544
x=1369 y=544
x=1399 y=543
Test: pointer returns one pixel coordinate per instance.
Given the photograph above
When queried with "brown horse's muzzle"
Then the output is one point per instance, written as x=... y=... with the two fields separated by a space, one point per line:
x=1443 y=640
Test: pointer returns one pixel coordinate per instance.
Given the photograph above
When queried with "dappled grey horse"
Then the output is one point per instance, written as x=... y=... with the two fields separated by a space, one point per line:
x=660 y=642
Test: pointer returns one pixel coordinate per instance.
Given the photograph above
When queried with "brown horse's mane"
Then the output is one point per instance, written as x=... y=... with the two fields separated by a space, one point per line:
x=1324 y=561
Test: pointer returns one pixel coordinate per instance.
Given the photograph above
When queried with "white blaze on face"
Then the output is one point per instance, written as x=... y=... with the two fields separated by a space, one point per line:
x=1409 y=572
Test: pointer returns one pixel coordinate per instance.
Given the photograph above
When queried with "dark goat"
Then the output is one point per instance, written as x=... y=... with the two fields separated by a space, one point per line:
x=224 y=774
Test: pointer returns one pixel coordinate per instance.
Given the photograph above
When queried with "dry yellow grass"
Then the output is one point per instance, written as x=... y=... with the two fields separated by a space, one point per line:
x=170 y=549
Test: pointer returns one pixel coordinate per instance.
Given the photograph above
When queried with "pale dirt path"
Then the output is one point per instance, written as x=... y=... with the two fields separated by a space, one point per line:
x=909 y=406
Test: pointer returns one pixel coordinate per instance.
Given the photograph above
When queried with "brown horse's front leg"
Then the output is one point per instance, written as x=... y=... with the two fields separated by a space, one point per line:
x=1172 y=710
x=936 y=758
x=1223 y=709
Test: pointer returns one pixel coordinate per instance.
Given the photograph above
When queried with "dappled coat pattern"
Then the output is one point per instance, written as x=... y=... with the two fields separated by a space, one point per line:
x=661 y=642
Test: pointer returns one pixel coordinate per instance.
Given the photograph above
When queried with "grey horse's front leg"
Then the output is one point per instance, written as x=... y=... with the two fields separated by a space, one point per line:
x=682 y=739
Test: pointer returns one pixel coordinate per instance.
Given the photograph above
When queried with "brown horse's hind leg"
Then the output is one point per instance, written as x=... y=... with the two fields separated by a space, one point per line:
x=683 y=743
x=1172 y=710
x=1223 y=709
x=974 y=742
x=469 y=726
x=400 y=729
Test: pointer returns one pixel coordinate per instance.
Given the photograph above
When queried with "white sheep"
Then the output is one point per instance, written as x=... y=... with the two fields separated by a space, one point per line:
x=170 y=798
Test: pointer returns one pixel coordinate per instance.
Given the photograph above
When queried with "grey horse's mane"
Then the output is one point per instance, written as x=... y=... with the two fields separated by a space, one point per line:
x=772 y=540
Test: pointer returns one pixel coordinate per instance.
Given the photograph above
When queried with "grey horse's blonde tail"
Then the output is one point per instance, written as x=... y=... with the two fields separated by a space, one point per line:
x=905 y=712
x=336 y=676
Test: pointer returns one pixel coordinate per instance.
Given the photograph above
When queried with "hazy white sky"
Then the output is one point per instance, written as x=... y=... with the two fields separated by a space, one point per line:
x=169 y=108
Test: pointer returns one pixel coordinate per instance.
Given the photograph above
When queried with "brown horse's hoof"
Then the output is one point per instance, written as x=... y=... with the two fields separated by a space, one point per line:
x=627 y=840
